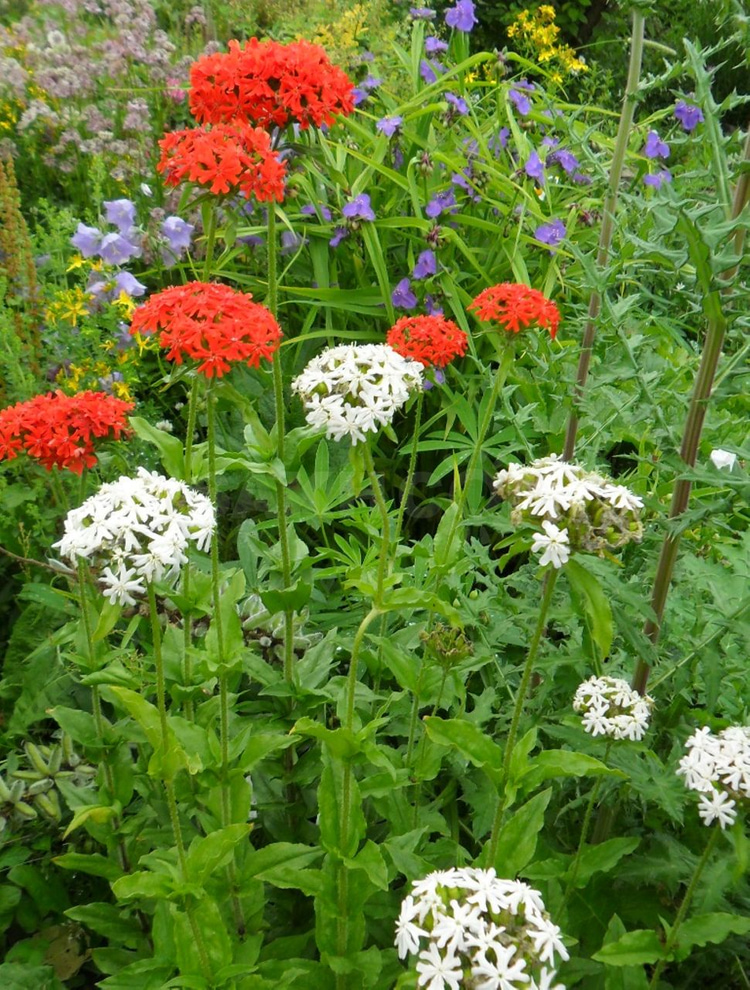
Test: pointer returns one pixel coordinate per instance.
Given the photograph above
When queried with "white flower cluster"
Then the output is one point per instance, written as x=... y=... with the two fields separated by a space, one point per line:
x=137 y=530
x=354 y=389
x=612 y=708
x=478 y=931
x=577 y=509
x=718 y=767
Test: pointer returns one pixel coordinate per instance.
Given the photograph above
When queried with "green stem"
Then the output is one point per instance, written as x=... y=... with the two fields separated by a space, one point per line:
x=689 y=449
x=226 y=803
x=383 y=509
x=672 y=940
x=210 y=242
x=548 y=586
x=187 y=659
x=410 y=471
x=608 y=224
x=584 y=833
x=414 y=715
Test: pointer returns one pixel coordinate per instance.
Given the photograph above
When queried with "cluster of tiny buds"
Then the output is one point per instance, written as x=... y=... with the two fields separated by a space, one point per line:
x=718 y=768
x=471 y=929
x=577 y=509
x=610 y=707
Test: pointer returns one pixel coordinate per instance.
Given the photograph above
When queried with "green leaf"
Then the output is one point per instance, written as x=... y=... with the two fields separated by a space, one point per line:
x=602 y=857
x=94 y=865
x=330 y=802
x=340 y=743
x=633 y=949
x=262 y=863
x=259 y=746
x=166 y=764
x=622 y=977
x=142 y=884
x=79 y=725
x=15 y=976
x=169 y=447
x=448 y=538
x=97 y=813
x=517 y=839
x=563 y=763
x=291 y=599
x=370 y=859
x=206 y=917
x=593 y=604
x=208 y=854
x=109 y=921
x=704 y=928
x=471 y=742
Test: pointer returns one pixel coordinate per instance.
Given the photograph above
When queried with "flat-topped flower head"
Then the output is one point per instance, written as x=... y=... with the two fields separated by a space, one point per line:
x=469 y=927
x=610 y=707
x=270 y=84
x=228 y=158
x=209 y=323
x=431 y=340
x=596 y=514
x=718 y=768
x=59 y=430
x=515 y=307
x=354 y=389
x=134 y=531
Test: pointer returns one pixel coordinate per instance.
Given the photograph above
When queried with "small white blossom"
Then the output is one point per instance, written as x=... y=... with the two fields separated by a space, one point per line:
x=610 y=707
x=723 y=459
x=718 y=768
x=554 y=543
x=355 y=389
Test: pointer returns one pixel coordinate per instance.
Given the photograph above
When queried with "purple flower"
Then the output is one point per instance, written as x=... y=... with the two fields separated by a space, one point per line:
x=550 y=233
x=464 y=179
x=308 y=210
x=433 y=373
x=359 y=208
x=658 y=179
x=522 y=103
x=534 y=168
x=582 y=179
x=433 y=46
x=402 y=297
x=422 y=13
x=251 y=240
x=370 y=83
x=426 y=265
x=496 y=144
x=338 y=236
x=565 y=159
x=129 y=284
x=290 y=241
x=117 y=250
x=655 y=147
x=440 y=203
x=397 y=157
x=87 y=240
x=120 y=212
x=430 y=69
x=432 y=307
x=461 y=17
x=688 y=115
x=389 y=125
x=455 y=101
x=359 y=95
x=178 y=233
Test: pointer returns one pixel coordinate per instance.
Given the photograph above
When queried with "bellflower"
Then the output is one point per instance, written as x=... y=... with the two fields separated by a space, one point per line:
x=688 y=115
x=177 y=233
x=120 y=212
x=117 y=250
x=87 y=240
x=359 y=208
x=655 y=147
x=426 y=265
x=461 y=17
x=402 y=297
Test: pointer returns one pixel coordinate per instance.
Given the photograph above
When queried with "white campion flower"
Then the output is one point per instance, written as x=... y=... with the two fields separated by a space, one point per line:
x=718 y=768
x=610 y=707
x=135 y=531
x=468 y=927
x=723 y=459
x=554 y=543
x=355 y=389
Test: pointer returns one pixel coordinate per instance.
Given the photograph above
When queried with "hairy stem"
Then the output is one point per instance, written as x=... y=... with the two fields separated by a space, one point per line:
x=383 y=509
x=411 y=469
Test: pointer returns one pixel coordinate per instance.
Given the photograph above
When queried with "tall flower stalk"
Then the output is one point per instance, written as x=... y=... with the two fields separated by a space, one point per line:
x=702 y=389
x=608 y=223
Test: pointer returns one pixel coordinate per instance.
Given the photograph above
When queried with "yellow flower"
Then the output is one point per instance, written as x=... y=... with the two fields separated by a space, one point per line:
x=122 y=391
x=125 y=302
x=77 y=261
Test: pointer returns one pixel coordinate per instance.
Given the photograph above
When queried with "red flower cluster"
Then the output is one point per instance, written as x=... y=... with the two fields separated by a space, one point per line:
x=270 y=84
x=226 y=157
x=432 y=340
x=59 y=429
x=515 y=306
x=209 y=323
